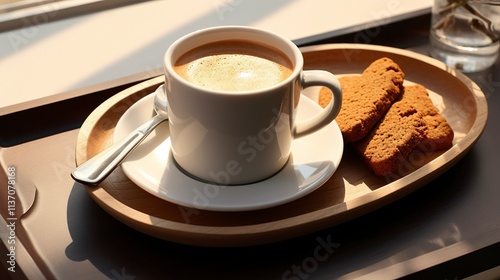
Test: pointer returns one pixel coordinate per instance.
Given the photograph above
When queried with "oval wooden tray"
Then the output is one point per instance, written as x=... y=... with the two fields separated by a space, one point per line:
x=352 y=191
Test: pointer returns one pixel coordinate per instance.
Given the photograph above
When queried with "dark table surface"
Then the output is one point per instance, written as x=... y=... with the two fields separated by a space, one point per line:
x=449 y=229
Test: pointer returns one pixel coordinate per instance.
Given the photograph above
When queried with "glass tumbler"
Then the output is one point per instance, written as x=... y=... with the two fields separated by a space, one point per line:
x=465 y=33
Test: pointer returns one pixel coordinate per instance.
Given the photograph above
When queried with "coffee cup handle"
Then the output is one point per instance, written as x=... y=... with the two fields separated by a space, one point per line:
x=330 y=112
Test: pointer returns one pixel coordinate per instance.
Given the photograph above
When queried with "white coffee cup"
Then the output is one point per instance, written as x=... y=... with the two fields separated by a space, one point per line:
x=232 y=137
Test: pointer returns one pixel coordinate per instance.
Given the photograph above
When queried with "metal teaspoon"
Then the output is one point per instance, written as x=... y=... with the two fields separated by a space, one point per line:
x=96 y=169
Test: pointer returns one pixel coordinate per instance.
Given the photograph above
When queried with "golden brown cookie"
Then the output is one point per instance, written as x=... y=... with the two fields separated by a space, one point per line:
x=392 y=139
x=412 y=123
x=366 y=98
x=439 y=132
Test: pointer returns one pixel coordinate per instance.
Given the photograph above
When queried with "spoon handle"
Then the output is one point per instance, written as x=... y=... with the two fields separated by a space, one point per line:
x=96 y=169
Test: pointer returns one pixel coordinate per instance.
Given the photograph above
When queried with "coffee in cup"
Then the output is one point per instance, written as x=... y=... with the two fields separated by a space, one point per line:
x=234 y=65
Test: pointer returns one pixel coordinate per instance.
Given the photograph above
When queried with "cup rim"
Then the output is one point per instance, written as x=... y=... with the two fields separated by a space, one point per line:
x=297 y=59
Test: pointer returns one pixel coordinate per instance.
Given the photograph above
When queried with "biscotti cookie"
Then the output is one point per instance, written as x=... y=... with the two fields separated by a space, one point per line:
x=412 y=123
x=390 y=142
x=366 y=98
x=439 y=132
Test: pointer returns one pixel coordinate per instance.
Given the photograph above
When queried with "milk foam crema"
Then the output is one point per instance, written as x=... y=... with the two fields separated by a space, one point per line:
x=234 y=65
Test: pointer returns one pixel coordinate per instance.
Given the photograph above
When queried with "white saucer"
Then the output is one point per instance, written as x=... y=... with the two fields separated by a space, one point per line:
x=150 y=166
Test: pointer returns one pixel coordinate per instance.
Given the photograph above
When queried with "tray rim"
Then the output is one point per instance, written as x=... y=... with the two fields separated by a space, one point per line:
x=202 y=235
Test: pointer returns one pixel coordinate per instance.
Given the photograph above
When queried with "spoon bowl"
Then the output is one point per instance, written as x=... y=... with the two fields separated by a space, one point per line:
x=96 y=169
x=160 y=102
